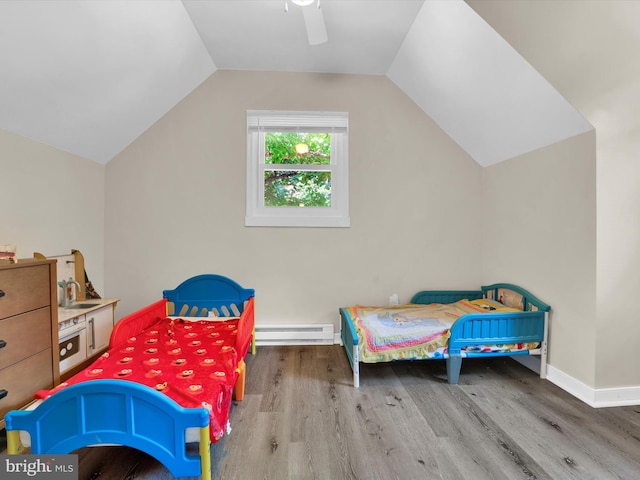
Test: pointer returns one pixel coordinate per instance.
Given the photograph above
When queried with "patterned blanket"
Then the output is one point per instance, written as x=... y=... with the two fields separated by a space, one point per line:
x=413 y=331
x=192 y=362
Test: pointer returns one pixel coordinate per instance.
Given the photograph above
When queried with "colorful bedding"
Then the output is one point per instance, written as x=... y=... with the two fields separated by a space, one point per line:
x=416 y=331
x=192 y=362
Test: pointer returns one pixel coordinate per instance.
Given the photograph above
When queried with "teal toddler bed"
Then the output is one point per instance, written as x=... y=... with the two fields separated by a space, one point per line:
x=498 y=320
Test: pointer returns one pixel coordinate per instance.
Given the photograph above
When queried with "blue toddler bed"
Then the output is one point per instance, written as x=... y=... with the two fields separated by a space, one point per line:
x=114 y=411
x=498 y=320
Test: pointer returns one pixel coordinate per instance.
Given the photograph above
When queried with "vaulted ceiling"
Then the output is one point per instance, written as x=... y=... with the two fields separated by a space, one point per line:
x=89 y=77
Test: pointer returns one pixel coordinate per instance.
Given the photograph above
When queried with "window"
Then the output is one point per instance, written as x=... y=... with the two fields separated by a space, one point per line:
x=297 y=169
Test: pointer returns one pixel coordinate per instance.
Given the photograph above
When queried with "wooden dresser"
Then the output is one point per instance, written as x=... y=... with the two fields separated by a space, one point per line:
x=28 y=331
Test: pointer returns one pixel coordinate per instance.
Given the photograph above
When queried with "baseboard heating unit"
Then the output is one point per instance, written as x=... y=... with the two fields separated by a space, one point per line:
x=314 y=334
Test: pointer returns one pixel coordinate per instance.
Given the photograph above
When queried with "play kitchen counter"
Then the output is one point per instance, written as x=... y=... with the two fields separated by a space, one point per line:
x=84 y=329
x=28 y=331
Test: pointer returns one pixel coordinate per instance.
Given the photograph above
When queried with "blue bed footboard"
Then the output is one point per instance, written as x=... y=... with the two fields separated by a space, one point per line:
x=125 y=413
x=491 y=329
x=527 y=326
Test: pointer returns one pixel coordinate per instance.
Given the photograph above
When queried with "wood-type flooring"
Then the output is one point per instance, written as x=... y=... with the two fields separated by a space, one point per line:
x=303 y=419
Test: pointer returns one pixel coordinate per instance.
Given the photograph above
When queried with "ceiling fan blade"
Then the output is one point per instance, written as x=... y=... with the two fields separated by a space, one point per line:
x=314 y=21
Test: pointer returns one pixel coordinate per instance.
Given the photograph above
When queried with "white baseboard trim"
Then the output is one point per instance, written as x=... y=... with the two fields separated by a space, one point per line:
x=597 y=398
x=617 y=397
x=311 y=334
x=570 y=385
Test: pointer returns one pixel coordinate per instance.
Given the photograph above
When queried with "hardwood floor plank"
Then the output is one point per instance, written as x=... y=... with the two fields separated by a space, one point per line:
x=621 y=427
x=537 y=435
x=272 y=370
x=455 y=417
x=323 y=438
x=118 y=462
x=591 y=446
x=302 y=419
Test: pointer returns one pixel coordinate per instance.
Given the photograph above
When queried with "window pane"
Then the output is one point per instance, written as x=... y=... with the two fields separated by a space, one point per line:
x=289 y=188
x=297 y=148
x=294 y=188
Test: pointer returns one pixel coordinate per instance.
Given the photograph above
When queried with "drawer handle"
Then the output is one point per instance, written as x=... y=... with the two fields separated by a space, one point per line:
x=93 y=333
x=3 y=344
x=2 y=294
x=3 y=393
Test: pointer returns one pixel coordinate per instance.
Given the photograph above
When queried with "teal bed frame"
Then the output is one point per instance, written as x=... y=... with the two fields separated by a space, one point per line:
x=492 y=328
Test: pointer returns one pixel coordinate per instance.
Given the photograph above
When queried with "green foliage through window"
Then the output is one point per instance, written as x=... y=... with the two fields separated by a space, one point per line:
x=291 y=187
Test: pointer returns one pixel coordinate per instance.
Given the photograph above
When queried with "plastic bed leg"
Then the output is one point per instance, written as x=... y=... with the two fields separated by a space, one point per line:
x=14 y=445
x=205 y=454
x=239 y=389
x=454 y=364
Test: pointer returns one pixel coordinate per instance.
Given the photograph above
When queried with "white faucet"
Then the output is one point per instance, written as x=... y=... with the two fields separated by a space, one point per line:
x=67 y=291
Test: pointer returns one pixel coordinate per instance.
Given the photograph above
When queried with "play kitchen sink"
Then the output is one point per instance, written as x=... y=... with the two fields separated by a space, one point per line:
x=67 y=292
x=82 y=305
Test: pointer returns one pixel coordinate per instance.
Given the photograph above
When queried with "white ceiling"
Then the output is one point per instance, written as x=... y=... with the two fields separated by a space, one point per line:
x=364 y=35
x=91 y=76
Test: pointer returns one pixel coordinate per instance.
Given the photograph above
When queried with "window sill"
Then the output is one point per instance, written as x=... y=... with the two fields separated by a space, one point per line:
x=337 y=222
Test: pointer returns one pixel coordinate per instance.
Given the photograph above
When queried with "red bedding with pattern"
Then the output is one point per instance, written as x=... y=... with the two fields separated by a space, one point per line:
x=192 y=362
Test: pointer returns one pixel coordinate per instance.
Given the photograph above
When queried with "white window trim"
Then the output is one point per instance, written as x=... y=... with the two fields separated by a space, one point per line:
x=257 y=215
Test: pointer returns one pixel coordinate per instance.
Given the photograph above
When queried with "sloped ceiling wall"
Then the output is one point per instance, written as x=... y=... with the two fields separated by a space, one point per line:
x=479 y=89
x=90 y=77
x=589 y=52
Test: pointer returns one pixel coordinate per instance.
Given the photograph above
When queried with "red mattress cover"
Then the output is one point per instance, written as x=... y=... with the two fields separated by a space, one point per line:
x=192 y=362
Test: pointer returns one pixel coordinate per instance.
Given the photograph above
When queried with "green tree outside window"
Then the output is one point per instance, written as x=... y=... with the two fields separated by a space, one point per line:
x=288 y=186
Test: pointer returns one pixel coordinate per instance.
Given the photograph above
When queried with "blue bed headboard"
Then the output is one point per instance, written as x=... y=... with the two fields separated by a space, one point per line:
x=514 y=296
x=203 y=293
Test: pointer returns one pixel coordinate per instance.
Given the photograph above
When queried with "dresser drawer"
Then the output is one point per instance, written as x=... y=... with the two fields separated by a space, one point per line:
x=23 y=379
x=24 y=289
x=24 y=335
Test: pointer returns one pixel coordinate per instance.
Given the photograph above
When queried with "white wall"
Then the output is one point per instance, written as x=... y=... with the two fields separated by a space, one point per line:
x=618 y=328
x=539 y=213
x=590 y=55
x=175 y=202
x=51 y=202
